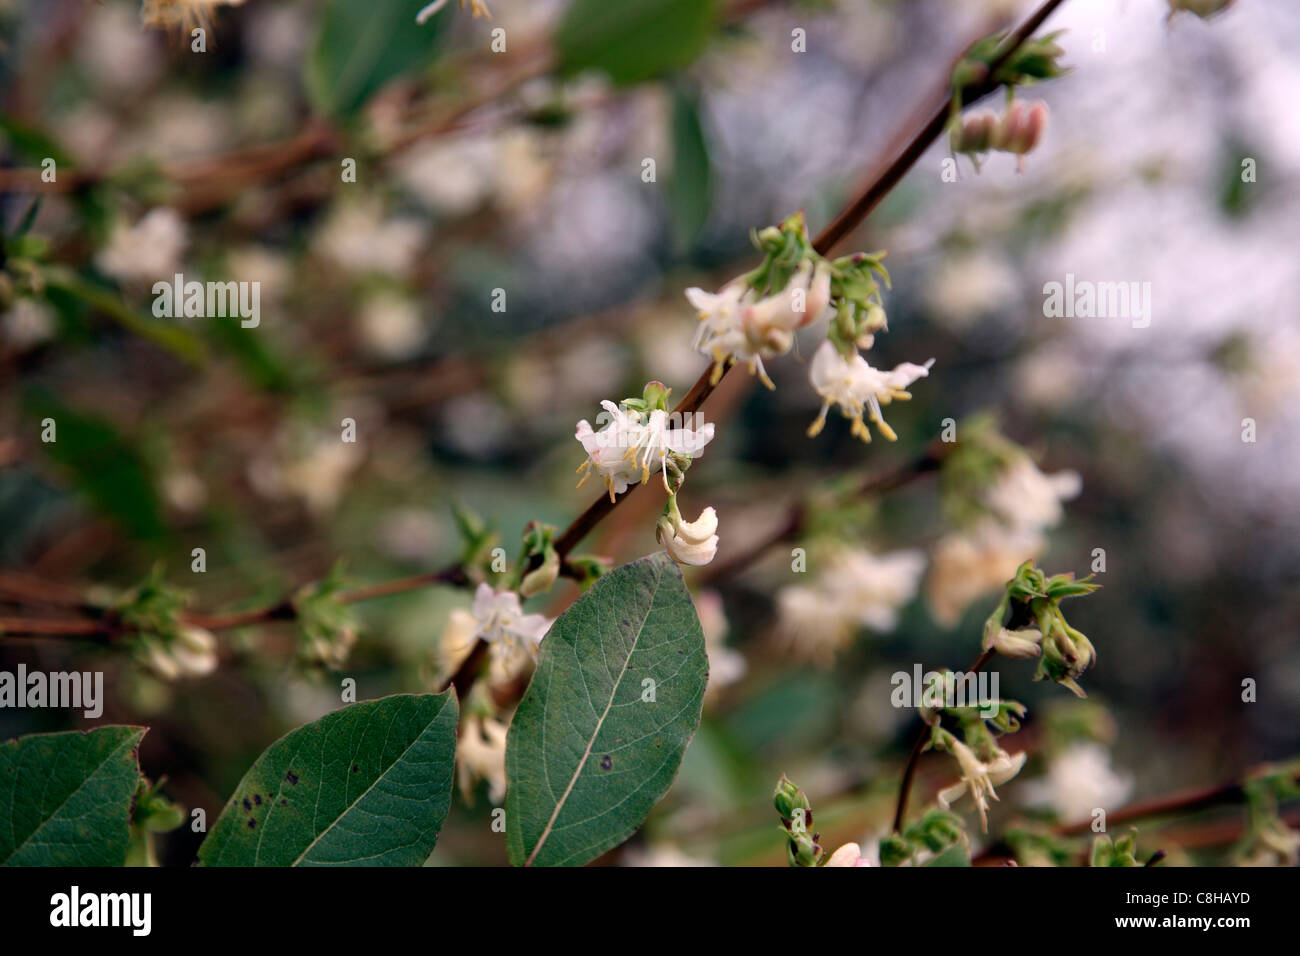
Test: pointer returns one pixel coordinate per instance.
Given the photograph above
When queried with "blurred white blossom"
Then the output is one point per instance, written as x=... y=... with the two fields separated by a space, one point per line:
x=855 y=589
x=1080 y=780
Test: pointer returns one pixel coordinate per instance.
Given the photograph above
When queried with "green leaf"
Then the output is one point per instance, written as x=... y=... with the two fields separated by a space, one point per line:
x=105 y=466
x=634 y=40
x=955 y=855
x=361 y=45
x=690 y=186
x=66 y=798
x=588 y=754
x=368 y=785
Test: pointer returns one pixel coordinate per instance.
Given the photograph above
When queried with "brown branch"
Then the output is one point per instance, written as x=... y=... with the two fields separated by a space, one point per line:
x=877 y=187
x=1190 y=800
x=106 y=627
x=880 y=183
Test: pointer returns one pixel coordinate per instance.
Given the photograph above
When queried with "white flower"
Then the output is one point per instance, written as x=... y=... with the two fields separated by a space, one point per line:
x=457 y=640
x=453 y=176
x=1026 y=498
x=689 y=542
x=1080 y=780
x=148 y=251
x=481 y=755
x=859 y=389
x=850 y=854
x=358 y=238
x=28 y=323
x=660 y=437
x=968 y=564
x=632 y=444
x=857 y=589
x=514 y=635
x=980 y=778
x=390 y=326
x=608 y=450
x=191 y=653
x=737 y=325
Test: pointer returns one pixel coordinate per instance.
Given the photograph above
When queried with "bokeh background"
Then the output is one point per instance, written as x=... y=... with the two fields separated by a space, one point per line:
x=480 y=170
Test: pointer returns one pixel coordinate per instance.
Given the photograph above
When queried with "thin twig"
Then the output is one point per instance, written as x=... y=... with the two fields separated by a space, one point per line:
x=913 y=758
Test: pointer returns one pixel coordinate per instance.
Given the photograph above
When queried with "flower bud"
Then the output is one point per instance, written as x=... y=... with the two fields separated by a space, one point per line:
x=788 y=798
x=1021 y=127
x=540 y=579
x=850 y=854
x=1022 y=643
x=974 y=132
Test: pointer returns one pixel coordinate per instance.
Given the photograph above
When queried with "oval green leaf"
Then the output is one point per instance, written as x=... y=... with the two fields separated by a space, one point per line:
x=601 y=731
x=65 y=799
x=368 y=785
x=361 y=45
x=634 y=40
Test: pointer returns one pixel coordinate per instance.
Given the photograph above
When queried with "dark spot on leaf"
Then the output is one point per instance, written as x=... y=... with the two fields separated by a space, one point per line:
x=356 y=769
x=252 y=824
x=606 y=762
x=257 y=799
x=284 y=802
x=247 y=805
x=292 y=778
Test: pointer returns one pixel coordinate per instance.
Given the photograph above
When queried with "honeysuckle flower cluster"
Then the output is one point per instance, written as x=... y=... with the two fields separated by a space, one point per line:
x=855 y=588
x=162 y=641
x=640 y=435
x=1031 y=605
x=1030 y=597
x=755 y=316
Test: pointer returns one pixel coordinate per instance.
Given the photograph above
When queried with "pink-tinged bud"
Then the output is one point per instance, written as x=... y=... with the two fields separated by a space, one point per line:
x=1022 y=127
x=850 y=854
x=974 y=133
